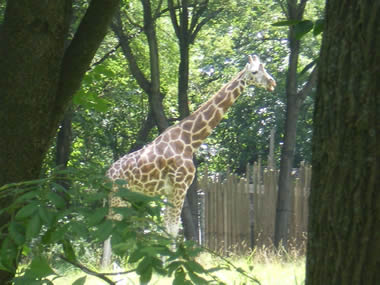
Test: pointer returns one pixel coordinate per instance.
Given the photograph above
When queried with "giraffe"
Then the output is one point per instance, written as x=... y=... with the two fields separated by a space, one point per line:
x=165 y=166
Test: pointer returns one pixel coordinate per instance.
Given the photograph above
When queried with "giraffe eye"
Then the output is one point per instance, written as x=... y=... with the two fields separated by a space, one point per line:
x=254 y=72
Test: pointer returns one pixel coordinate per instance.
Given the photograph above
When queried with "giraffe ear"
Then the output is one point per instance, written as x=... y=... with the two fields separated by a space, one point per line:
x=252 y=59
x=261 y=67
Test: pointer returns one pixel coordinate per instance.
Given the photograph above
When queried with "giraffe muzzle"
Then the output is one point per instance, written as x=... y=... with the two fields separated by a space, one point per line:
x=271 y=85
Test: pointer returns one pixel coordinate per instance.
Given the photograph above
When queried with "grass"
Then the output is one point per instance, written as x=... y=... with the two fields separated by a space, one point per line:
x=268 y=266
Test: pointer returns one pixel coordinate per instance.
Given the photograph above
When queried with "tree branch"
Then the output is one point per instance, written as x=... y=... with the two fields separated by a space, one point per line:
x=116 y=26
x=82 y=49
x=301 y=9
x=88 y=270
x=131 y=21
x=173 y=17
x=198 y=13
x=301 y=95
x=105 y=56
x=202 y=23
x=157 y=13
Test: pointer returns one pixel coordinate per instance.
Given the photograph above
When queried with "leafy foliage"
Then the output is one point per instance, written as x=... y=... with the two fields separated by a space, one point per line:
x=302 y=27
x=47 y=230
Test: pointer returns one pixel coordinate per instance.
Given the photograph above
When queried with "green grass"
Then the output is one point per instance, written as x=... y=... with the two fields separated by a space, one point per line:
x=267 y=266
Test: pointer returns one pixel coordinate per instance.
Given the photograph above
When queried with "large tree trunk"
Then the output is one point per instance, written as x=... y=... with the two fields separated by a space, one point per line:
x=38 y=78
x=344 y=224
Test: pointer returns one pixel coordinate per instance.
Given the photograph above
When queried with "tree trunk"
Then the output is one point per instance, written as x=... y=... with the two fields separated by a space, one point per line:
x=283 y=208
x=154 y=95
x=38 y=78
x=344 y=223
x=271 y=162
x=294 y=100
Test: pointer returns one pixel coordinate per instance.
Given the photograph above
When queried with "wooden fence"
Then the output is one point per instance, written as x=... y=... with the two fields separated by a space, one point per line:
x=239 y=213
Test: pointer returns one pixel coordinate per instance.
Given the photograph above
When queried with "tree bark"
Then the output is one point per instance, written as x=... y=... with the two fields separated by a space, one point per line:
x=154 y=94
x=344 y=224
x=294 y=100
x=38 y=78
x=63 y=143
x=63 y=151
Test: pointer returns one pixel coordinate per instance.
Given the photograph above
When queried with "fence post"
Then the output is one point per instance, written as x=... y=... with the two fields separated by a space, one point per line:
x=251 y=206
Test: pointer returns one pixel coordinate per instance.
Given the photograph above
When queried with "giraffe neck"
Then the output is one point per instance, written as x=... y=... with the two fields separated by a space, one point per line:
x=200 y=124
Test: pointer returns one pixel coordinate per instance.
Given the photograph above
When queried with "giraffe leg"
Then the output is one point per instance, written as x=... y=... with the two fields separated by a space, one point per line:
x=115 y=202
x=172 y=214
x=180 y=182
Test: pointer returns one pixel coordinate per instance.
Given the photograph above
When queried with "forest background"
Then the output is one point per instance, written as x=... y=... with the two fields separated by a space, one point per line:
x=112 y=107
x=155 y=66
x=160 y=62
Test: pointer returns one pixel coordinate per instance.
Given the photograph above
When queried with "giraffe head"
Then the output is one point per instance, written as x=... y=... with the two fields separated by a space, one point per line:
x=255 y=74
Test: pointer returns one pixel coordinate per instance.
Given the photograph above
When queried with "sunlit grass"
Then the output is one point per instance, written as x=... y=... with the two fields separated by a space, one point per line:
x=269 y=267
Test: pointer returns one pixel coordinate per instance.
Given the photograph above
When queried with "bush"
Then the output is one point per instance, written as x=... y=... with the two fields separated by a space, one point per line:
x=50 y=225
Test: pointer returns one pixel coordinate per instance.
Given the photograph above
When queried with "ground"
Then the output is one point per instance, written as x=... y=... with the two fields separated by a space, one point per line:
x=268 y=268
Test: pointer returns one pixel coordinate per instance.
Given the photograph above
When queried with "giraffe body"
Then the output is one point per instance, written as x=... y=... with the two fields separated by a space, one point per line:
x=165 y=166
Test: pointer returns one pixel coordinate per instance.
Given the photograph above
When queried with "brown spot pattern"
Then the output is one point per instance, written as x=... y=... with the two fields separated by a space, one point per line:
x=199 y=124
x=215 y=120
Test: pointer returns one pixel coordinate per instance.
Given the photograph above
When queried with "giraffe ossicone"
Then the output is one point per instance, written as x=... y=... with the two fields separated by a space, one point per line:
x=165 y=166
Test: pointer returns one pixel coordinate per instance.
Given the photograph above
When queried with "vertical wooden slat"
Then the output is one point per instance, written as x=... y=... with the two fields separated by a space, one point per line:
x=250 y=196
x=241 y=211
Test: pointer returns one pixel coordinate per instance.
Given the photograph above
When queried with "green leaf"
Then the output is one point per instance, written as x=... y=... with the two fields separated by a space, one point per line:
x=174 y=266
x=17 y=233
x=57 y=200
x=80 y=281
x=145 y=270
x=193 y=266
x=30 y=195
x=302 y=28
x=146 y=275
x=68 y=250
x=197 y=279
x=54 y=235
x=144 y=265
x=46 y=215
x=126 y=212
x=179 y=277
x=135 y=256
x=318 y=27
x=33 y=227
x=4 y=268
x=79 y=229
x=104 y=230
x=286 y=23
x=26 y=250
x=40 y=268
x=27 y=211
x=308 y=66
x=135 y=196
x=97 y=217
x=101 y=105
x=8 y=254
x=90 y=100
